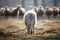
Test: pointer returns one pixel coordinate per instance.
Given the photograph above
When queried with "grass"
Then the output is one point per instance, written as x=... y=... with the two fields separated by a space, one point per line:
x=17 y=28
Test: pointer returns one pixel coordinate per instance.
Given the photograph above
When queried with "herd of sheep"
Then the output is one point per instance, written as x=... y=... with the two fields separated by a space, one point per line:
x=20 y=11
x=30 y=17
x=48 y=11
x=6 y=12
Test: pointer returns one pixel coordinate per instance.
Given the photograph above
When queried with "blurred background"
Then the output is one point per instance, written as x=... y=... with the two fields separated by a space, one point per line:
x=27 y=3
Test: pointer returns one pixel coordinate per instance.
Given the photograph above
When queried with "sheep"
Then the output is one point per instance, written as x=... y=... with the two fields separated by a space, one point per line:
x=12 y=12
x=21 y=11
x=55 y=12
x=33 y=8
x=40 y=11
x=6 y=12
x=2 y=13
x=49 y=11
x=59 y=11
x=30 y=20
x=15 y=11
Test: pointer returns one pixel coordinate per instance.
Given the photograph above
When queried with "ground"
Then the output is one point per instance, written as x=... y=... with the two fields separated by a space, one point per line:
x=44 y=30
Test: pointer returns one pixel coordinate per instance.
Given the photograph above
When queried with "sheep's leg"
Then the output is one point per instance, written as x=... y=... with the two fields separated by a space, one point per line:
x=59 y=16
x=28 y=30
x=40 y=16
x=5 y=17
x=2 y=17
x=48 y=17
x=32 y=30
x=54 y=17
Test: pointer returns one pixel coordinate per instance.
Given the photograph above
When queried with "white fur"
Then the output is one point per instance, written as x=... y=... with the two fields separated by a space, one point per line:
x=23 y=9
x=31 y=12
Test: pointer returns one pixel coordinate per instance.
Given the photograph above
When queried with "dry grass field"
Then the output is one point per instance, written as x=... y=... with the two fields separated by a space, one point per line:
x=14 y=29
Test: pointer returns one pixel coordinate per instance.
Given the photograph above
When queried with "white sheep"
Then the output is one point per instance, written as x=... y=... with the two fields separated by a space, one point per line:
x=30 y=19
x=40 y=11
